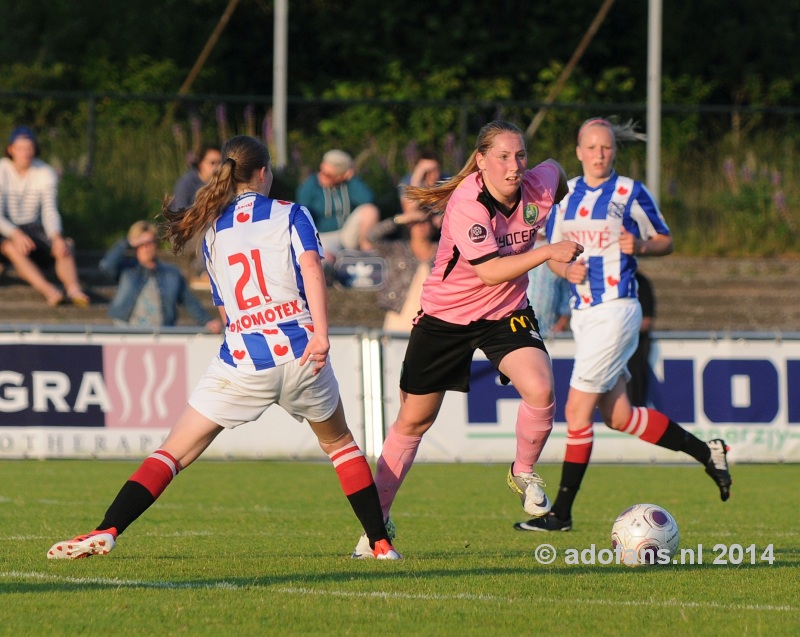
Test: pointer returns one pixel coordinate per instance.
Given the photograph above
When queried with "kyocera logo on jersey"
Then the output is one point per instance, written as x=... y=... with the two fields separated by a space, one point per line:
x=478 y=233
x=530 y=213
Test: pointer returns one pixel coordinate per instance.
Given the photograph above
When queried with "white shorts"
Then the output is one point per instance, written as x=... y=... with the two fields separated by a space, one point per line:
x=231 y=397
x=606 y=336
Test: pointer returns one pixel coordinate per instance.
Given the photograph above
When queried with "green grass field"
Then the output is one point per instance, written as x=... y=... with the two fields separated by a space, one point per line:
x=260 y=548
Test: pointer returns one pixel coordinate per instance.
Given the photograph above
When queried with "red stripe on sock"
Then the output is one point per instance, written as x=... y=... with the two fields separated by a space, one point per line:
x=156 y=472
x=579 y=445
x=633 y=421
x=345 y=453
x=657 y=424
x=354 y=474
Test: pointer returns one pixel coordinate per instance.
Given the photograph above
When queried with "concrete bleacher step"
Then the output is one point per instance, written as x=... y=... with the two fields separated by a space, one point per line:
x=725 y=294
x=693 y=294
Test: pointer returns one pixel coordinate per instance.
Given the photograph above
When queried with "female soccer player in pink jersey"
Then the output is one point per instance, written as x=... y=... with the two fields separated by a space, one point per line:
x=264 y=260
x=475 y=297
x=616 y=219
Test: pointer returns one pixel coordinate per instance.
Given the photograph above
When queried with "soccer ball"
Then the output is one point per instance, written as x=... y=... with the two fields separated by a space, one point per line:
x=645 y=534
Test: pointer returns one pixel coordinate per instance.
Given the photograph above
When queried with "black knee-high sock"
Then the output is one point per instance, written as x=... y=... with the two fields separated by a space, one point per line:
x=677 y=438
x=142 y=489
x=571 y=477
x=367 y=506
x=576 y=460
x=656 y=428
x=355 y=476
x=132 y=500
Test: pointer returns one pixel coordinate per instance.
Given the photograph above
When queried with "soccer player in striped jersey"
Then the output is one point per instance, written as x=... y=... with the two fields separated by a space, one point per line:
x=475 y=297
x=264 y=261
x=616 y=219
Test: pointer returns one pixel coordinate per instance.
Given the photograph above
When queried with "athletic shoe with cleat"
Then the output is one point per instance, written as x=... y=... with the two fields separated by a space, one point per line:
x=528 y=486
x=363 y=549
x=717 y=467
x=94 y=543
x=385 y=551
x=545 y=524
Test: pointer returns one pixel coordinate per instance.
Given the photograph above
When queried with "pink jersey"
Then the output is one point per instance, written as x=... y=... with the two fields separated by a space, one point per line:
x=477 y=228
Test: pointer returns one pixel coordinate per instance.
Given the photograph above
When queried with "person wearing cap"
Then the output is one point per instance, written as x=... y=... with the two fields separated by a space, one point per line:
x=31 y=235
x=149 y=291
x=340 y=203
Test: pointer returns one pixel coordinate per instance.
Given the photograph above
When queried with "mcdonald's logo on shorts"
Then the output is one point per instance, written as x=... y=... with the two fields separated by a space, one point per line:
x=523 y=321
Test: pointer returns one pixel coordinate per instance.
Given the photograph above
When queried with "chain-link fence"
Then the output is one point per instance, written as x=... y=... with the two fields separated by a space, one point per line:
x=727 y=174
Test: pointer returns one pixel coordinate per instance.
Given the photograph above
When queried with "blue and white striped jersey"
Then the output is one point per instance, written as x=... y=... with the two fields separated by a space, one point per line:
x=594 y=217
x=252 y=255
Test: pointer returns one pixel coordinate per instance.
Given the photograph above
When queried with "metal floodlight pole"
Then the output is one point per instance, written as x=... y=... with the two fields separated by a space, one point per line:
x=279 y=71
x=653 y=172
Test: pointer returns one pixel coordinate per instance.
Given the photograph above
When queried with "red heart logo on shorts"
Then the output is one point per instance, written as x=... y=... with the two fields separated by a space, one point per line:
x=280 y=350
x=586 y=299
x=583 y=212
x=612 y=281
x=622 y=190
x=239 y=354
x=242 y=217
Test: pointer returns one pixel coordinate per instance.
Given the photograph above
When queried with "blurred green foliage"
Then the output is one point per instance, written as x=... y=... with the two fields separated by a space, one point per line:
x=98 y=81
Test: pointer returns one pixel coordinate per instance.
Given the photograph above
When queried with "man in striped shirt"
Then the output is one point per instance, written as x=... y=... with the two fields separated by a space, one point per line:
x=30 y=225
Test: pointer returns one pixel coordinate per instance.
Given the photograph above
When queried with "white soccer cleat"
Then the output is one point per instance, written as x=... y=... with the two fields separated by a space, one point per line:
x=717 y=467
x=528 y=486
x=364 y=551
x=94 y=543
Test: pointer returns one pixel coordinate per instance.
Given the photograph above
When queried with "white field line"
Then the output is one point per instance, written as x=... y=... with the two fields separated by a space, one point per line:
x=294 y=590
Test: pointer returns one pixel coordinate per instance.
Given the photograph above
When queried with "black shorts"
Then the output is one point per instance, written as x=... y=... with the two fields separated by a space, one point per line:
x=439 y=354
x=42 y=254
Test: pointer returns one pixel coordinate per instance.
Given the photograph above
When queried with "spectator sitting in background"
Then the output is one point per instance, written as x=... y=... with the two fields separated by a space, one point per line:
x=408 y=242
x=183 y=195
x=340 y=203
x=427 y=173
x=30 y=223
x=149 y=292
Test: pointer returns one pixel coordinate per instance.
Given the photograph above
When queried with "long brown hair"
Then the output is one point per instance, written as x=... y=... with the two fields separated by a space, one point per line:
x=242 y=157
x=436 y=197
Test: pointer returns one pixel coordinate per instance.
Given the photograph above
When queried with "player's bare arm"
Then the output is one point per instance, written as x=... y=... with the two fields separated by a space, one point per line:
x=317 y=297
x=502 y=269
x=573 y=271
x=657 y=246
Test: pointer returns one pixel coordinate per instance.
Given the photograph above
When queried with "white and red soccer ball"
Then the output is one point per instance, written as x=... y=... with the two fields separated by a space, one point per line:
x=645 y=534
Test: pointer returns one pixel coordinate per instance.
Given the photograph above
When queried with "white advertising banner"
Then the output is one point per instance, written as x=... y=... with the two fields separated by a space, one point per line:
x=117 y=395
x=746 y=391
x=112 y=395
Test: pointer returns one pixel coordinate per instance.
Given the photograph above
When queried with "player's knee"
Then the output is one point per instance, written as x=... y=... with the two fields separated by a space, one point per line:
x=412 y=427
x=536 y=390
